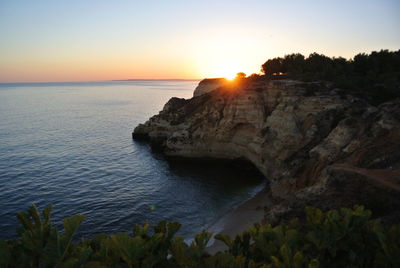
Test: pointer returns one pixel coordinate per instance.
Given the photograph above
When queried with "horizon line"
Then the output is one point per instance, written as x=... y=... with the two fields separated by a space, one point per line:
x=108 y=80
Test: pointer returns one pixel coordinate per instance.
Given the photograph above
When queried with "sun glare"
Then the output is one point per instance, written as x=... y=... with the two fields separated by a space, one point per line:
x=223 y=56
x=230 y=76
x=227 y=71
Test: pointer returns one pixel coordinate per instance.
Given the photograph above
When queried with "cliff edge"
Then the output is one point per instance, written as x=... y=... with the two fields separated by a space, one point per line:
x=315 y=144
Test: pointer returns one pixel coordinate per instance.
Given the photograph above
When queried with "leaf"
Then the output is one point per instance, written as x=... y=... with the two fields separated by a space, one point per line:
x=25 y=221
x=161 y=227
x=314 y=215
x=61 y=244
x=286 y=254
x=314 y=238
x=180 y=252
x=291 y=237
x=225 y=239
x=71 y=225
x=5 y=254
x=47 y=213
x=173 y=227
x=95 y=264
x=224 y=260
x=34 y=213
x=137 y=231
x=298 y=260
x=277 y=262
x=202 y=239
x=313 y=264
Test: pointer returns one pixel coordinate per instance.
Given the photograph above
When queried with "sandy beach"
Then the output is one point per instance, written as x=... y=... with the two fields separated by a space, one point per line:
x=239 y=219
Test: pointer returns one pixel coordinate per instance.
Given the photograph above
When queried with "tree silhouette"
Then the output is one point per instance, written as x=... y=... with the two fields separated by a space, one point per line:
x=374 y=77
x=240 y=75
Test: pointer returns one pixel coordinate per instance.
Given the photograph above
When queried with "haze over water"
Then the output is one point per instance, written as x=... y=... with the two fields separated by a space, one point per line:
x=69 y=144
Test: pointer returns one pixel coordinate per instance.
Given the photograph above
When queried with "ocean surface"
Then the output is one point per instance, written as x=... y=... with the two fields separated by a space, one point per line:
x=70 y=145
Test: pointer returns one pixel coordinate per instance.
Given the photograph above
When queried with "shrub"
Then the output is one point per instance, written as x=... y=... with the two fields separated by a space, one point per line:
x=337 y=238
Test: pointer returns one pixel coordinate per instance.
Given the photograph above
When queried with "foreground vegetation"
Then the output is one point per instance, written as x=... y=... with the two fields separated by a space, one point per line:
x=338 y=238
x=374 y=77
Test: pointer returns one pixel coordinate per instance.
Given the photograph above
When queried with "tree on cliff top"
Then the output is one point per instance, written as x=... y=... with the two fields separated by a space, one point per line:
x=240 y=75
x=375 y=76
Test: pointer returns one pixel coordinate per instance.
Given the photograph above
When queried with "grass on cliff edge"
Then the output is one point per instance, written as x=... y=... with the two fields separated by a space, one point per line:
x=337 y=238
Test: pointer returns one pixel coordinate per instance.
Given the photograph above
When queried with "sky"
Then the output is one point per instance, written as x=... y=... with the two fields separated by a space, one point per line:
x=88 y=40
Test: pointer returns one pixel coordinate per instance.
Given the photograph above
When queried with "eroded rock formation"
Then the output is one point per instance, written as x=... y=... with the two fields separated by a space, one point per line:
x=306 y=138
x=208 y=85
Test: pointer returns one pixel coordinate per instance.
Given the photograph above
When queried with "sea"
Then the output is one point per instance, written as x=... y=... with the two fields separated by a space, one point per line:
x=70 y=145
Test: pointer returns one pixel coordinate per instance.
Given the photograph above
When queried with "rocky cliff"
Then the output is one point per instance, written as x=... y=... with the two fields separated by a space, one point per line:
x=315 y=144
x=208 y=85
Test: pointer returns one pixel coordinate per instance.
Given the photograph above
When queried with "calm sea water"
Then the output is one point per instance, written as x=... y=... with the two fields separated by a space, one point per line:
x=69 y=144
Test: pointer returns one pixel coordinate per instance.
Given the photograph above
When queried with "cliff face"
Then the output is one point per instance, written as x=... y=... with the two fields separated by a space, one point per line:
x=303 y=137
x=208 y=85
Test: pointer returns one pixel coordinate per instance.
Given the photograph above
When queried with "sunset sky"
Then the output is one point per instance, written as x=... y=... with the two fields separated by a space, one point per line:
x=79 y=40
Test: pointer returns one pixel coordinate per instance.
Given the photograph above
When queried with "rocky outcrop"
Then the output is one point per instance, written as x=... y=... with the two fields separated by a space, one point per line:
x=208 y=85
x=297 y=134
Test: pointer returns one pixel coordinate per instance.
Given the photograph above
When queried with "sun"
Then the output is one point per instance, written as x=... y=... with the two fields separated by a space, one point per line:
x=230 y=76
x=227 y=71
x=219 y=55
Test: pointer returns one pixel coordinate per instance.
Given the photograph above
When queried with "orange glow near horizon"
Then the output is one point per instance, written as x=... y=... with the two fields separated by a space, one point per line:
x=225 y=55
x=204 y=55
x=84 y=69
x=213 y=57
x=79 y=41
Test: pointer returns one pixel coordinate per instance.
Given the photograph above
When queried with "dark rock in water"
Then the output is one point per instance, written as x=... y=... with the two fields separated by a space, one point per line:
x=139 y=136
x=311 y=147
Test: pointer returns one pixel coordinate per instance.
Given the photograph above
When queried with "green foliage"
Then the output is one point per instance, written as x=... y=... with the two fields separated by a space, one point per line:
x=374 y=77
x=337 y=238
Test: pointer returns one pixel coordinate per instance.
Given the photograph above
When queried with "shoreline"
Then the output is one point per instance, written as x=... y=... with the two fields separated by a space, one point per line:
x=239 y=219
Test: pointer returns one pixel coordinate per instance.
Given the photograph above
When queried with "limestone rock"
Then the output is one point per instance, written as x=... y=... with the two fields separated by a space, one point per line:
x=291 y=135
x=208 y=85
